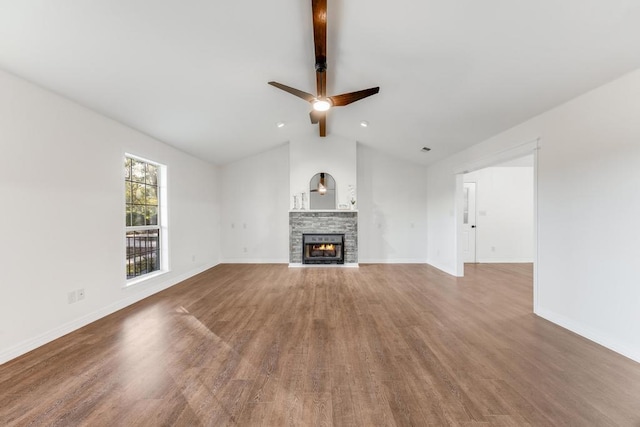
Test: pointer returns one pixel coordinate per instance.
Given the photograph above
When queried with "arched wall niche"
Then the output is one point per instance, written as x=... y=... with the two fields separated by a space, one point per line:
x=322 y=191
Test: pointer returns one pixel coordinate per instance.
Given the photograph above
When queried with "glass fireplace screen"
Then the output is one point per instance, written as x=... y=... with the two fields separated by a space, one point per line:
x=323 y=248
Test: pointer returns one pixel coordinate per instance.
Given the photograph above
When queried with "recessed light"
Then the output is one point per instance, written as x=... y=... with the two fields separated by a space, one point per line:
x=364 y=123
x=425 y=149
x=280 y=124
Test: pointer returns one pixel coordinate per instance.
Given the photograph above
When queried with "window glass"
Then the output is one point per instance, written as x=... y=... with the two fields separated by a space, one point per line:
x=142 y=208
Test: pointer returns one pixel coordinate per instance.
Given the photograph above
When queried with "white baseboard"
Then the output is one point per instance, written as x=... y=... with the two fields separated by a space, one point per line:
x=444 y=268
x=393 y=261
x=504 y=260
x=57 y=332
x=590 y=334
x=254 y=261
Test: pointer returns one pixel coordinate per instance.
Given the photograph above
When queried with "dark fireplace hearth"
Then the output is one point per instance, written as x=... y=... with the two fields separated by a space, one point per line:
x=323 y=248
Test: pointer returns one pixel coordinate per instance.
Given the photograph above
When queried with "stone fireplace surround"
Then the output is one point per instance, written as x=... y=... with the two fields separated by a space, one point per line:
x=323 y=222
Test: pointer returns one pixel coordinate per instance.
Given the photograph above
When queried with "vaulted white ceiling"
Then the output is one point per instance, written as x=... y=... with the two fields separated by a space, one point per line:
x=194 y=73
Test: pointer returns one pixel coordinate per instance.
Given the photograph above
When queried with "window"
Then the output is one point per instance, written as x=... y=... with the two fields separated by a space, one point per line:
x=142 y=217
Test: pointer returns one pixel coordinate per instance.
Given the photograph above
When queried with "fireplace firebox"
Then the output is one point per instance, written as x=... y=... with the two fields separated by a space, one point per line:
x=323 y=248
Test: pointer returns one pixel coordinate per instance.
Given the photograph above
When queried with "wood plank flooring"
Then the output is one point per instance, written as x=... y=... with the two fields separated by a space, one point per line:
x=382 y=345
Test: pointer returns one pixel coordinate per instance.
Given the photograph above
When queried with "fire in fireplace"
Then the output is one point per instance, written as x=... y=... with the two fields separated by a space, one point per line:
x=323 y=248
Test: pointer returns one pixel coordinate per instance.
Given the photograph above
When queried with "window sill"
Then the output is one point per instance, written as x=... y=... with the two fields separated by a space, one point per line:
x=146 y=277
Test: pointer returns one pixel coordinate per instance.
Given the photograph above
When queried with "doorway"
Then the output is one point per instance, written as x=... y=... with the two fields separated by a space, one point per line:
x=513 y=154
x=469 y=222
x=497 y=213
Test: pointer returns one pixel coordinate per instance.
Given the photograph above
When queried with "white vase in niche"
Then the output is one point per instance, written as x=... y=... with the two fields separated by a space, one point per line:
x=296 y=202
x=304 y=200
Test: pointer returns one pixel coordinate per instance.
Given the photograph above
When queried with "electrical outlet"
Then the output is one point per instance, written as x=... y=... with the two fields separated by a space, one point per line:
x=493 y=248
x=244 y=250
x=71 y=297
x=193 y=258
x=80 y=294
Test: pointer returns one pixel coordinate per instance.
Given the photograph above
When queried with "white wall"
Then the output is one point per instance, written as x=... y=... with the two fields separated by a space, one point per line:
x=255 y=201
x=587 y=210
x=332 y=154
x=392 y=225
x=504 y=207
x=255 y=208
x=441 y=217
x=62 y=222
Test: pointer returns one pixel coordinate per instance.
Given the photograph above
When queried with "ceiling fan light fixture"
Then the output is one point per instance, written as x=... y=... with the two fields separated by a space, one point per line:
x=321 y=104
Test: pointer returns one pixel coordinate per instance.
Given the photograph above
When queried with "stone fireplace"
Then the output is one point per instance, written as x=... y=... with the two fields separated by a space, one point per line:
x=334 y=157
x=325 y=224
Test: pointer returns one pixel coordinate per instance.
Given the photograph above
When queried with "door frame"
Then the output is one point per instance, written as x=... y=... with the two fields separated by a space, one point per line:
x=522 y=150
x=472 y=228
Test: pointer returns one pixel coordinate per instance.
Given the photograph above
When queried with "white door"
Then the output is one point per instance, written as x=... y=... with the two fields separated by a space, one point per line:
x=469 y=222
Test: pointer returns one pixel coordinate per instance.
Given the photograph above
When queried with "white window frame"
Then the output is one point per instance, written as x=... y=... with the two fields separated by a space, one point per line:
x=161 y=226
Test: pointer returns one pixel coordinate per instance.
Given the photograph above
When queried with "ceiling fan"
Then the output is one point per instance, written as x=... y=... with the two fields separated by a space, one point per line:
x=322 y=103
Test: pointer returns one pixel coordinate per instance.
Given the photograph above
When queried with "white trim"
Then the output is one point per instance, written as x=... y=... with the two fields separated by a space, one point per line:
x=393 y=261
x=459 y=224
x=443 y=268
x=345 y=265
x=491 y=159
x=46 y=337
x=143 y=227
x=142 y=159
x=590 y=334
x=505 y=261
x=254 y=261
x=141 y=279
x=536 y=231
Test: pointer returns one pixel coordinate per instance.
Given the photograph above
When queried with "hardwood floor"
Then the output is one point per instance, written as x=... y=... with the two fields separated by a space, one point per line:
x=379 y=345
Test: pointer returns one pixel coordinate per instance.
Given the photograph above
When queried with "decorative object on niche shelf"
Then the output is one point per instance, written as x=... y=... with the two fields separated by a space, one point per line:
x=296 y=202
x=352 y=196
x=304 y=200
x=343 y=207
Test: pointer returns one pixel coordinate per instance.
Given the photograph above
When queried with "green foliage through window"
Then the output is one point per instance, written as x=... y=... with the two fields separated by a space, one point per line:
x=141 y=217
x=141 y=188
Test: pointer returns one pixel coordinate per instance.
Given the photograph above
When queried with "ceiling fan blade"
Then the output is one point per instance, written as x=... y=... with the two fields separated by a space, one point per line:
x=323 y=125
x=315 y=116
x=293 y=91
x=348 y=98
x=319 y=9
